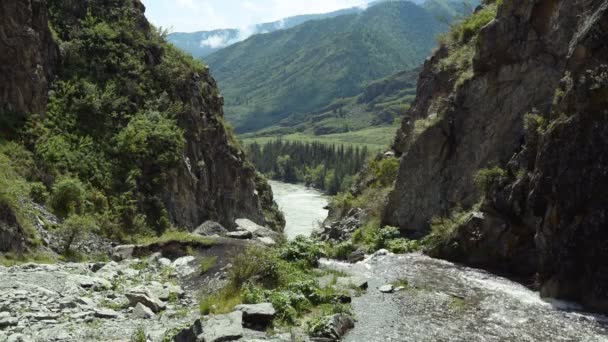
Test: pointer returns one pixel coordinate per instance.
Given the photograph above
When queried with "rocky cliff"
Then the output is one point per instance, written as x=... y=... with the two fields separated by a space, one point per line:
x=136 y=123
x=524 y=97
x=28 y=53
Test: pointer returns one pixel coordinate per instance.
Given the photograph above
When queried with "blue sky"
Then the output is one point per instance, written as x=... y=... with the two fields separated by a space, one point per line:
x=202 y=15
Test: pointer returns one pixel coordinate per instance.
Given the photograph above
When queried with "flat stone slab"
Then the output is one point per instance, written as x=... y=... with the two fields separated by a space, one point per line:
x=240 y=234
x=221 y=328
x=143 y=312
x=145 y=297
x=386 y=288
x=106 y=313
x=257 y=315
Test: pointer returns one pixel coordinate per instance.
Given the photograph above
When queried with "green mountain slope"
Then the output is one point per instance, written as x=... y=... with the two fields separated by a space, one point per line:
x=273 y=76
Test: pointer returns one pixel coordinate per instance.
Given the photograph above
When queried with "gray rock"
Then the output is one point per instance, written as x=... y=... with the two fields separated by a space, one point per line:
x=142 y=312
x=19 y=338
x=267 y=241
x=257 y=315
x=256 y=229
x=123 y=252
x=190 y=334
x=86 y=301
x=335 y=327
x=97 y=284
x=386 y=289
x=8 y=322
x=223 y=327
x=164 y=262
x=82 y=315
x=44 y=316
x=356 y=256
x=145 y=297
x=106 y=313
x=240 y=234
x=210 y=228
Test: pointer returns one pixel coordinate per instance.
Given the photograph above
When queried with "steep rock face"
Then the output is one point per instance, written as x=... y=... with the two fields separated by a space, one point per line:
x=28 y=52
x=547 y=213
x=213 y=180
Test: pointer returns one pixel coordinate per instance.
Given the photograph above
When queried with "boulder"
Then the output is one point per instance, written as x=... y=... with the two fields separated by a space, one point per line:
x=356 y=256
x=223 y=327
x=267 y=241
x=94 y=283
x=240 y=234
x=145 y=297
x=190 y=334
x=386 y=289
x=256 y=229
x=142 y=312
x=257 y=316
x=210 y=228
x=8 y=322
x=106 y=313
x=334 y=327
x=123 y=252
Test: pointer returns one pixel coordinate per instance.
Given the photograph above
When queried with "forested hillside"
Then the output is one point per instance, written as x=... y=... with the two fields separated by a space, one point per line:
x=301 y=70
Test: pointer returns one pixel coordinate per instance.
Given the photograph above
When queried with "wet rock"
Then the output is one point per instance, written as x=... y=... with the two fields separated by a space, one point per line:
x=106 y=313
x=223 y=327
x=356 y=256
x=240 y=234
x=210 y=228
x=142 y=312
x=386 y=289
x=258 y=316
x=143 y=296
x=334 y=327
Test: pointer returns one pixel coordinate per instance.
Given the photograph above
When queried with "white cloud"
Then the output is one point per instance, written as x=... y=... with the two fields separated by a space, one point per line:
x=199 y=15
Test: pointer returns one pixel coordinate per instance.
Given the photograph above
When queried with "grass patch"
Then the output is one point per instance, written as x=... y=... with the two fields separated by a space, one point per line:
x=284 y=276
x=177 y=236
x=207 y=263
x=486 y=179
x=14 y=259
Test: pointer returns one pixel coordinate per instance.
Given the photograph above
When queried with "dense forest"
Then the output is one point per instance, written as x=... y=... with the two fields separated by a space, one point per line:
x=326 y=167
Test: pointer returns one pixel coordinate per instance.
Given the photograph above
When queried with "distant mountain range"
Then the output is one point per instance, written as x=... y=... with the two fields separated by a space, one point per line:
x=204 y=43
x=292 y=72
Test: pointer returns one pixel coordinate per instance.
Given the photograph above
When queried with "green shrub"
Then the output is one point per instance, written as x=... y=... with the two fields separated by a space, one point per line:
x=255 y=265
x=68 y=197
x=75 y=227
x=38 y=193
x=139 y=335
x=301 y=249
x=535 y=123
x=443 y=228
x=385 y=171
x=488 y=178
x=340 y=251
x=402 y=246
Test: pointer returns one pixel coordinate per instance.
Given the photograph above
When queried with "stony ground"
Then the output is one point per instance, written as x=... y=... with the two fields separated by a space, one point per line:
x=88 y=302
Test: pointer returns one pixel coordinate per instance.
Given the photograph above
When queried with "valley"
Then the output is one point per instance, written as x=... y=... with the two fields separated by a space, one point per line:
x=432 y=170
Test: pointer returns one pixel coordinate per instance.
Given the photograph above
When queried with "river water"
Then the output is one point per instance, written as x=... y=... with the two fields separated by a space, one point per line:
x=302 y=206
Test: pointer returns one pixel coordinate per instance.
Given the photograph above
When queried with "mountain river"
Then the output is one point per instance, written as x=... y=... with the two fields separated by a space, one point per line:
x=441 y=301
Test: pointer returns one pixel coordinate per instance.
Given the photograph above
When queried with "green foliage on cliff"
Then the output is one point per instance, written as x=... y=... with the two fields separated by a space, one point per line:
x=110 y=136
